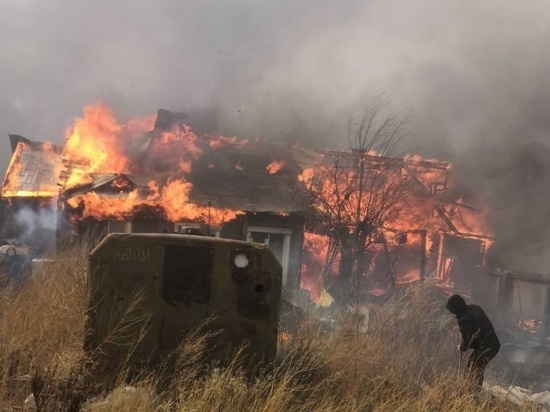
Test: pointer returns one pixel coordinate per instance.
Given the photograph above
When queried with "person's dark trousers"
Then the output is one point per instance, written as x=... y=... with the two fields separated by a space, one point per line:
x=477 y=362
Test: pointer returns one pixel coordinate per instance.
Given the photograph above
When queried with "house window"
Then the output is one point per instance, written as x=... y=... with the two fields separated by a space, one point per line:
x=187 y=274
x=277 y=239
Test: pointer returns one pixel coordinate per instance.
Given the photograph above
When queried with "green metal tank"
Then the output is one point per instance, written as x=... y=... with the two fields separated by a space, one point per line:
x=148 y=291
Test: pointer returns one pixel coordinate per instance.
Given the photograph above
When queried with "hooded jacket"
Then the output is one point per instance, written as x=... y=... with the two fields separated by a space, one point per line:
x=475 y=327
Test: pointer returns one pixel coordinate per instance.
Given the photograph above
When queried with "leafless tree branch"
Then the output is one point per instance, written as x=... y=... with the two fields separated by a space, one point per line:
x=356 y=192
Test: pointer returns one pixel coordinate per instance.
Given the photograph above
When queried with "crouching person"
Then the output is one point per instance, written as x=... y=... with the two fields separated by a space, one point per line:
x=478 y=334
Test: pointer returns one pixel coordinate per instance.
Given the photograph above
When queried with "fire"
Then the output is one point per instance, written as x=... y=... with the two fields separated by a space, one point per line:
x=401 y=209
x=28 y=176
x=113 y=170
x=14 y=171
x=307 y=176
x=101 y=207
x=275 y=166
x=173 y=150
x=173 y=198
x=316 y=247
x=474 y=220
x=218 y=142
x=97 y=144
x=121 y=184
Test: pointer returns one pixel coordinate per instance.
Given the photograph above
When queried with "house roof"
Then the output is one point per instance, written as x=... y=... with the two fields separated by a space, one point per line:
x=238 y=177
x=33 y=170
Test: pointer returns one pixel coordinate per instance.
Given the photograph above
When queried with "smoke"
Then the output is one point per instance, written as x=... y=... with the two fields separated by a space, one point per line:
x=513 y=180
x=472 y=74
x=37 y=228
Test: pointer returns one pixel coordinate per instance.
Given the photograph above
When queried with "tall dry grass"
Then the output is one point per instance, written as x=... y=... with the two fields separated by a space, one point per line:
x=405 y=361
x=41 y=326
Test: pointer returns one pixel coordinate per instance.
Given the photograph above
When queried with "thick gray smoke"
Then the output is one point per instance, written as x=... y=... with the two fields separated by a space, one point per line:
x=473 y=74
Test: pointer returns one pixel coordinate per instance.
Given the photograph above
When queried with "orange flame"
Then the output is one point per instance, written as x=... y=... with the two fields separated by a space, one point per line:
x=96 y=140
x=316 y=249
x=177 y=147
x=97 y=144
x=275 y=166
x=420 y=207
x=173 y=198
x=218 y=142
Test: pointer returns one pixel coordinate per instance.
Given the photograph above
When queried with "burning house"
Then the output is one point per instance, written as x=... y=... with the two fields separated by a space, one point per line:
x=339 y=222
x=382 y=221
x=158 y=175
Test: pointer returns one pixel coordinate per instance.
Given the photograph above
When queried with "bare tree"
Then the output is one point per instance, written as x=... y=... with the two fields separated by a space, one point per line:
x=355 y=193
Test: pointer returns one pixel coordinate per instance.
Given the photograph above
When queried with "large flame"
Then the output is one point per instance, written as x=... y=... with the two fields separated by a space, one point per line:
x=409 y=198
x=98 y=144
x=173 y=198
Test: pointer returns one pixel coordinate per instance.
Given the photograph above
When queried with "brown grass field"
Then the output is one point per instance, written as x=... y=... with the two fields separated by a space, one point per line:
x=405 y=361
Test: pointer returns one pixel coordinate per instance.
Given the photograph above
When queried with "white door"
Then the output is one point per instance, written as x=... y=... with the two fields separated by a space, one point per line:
x=277 y=239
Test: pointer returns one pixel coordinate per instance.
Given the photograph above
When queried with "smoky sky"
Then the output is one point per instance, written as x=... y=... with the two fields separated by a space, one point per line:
x=472 y=75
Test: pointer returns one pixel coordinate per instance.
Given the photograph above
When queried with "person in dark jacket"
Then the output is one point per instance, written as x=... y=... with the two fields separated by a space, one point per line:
x=477 y=333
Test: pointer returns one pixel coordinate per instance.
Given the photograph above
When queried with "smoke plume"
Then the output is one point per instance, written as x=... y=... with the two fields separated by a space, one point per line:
x=37 y=227
x=472 y=74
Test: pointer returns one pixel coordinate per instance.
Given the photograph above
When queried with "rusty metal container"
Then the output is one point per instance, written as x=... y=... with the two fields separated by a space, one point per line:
x=148 y=291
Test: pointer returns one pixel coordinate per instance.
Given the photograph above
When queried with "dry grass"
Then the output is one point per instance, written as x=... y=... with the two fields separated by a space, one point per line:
x=405 y=361
x=41 y=323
